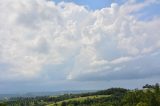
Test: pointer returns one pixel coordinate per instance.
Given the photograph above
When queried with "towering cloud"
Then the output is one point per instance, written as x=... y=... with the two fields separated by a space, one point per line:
x=41 y=38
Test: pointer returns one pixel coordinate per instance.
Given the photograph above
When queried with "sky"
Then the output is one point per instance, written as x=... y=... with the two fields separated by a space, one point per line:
x=54 y=45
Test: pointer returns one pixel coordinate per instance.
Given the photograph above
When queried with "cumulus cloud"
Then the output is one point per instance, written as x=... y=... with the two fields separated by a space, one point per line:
x=77 y=43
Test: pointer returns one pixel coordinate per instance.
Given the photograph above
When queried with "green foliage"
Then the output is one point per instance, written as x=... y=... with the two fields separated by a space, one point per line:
x=3 y=104
x=150 y=96
x=142 y=104
x=63 y=103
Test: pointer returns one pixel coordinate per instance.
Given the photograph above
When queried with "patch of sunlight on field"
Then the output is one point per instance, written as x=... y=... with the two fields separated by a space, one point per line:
x=78 y=99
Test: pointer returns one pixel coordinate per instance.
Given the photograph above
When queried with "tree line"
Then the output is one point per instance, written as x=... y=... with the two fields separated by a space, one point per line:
x=148 y=96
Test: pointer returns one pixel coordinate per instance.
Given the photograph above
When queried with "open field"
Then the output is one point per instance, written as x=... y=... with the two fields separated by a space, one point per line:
x=79 y=99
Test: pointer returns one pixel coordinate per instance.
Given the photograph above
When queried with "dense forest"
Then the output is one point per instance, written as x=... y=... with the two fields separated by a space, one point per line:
x=149 y=95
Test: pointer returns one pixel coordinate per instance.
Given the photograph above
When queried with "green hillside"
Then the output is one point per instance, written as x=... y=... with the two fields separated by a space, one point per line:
x=148 y=96
x=78 y=99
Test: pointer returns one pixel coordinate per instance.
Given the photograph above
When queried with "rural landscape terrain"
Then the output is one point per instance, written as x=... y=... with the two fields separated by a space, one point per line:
x=149 y=95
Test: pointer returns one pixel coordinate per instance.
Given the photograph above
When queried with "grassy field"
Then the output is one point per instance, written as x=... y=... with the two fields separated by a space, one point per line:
x=81 y=99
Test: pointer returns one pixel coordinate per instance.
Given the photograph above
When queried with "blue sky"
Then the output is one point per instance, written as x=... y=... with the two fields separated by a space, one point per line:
x=149 y=11
x=91 y=4
x=48 y=46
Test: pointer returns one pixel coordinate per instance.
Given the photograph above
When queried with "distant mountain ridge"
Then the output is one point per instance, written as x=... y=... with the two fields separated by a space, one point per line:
x=34 y=94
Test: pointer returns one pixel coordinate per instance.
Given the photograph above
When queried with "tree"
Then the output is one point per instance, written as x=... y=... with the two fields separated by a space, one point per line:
x=148 y=86
x=142 y=104
x=64 y=104
x=3 y=104
x=157 y=88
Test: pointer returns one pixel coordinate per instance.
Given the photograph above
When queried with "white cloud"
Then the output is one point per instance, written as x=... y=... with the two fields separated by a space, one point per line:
x=91 y=44
x=121 y=60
